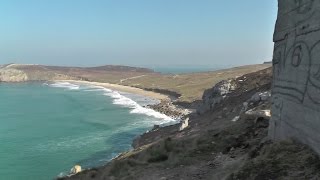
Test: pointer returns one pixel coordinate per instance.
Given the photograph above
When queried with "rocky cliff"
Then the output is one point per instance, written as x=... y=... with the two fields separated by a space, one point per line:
x=34 y=72
x=214 y=96
x=296 y=73
x=12 y=75
x=228 y=139
x=227 y=142
x=27 y=72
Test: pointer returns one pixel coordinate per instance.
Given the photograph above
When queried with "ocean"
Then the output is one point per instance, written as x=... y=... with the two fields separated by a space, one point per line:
x=46 y=129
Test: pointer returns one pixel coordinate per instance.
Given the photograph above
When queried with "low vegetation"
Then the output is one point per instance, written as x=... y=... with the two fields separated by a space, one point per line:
x=215 y=147
x=185 y=87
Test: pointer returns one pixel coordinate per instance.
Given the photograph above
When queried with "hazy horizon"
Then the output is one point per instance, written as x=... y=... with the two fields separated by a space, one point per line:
x=141 y=33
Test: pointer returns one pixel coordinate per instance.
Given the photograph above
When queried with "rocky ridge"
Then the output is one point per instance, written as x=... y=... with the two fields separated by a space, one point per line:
x=168 y=108
x=213 y=146
x=214 y=96
x=12 y=75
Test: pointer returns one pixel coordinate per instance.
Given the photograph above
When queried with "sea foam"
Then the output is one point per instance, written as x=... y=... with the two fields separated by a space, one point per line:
x=118 y=99
x=134 y=106
x=65 y=85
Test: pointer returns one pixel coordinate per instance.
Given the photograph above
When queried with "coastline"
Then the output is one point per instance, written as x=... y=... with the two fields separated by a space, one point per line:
x=122 y=88
x=165 y=105
x=209 y=143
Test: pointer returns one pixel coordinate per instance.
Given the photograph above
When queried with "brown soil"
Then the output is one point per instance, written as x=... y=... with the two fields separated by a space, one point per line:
x=186 y=88
x=214 y=147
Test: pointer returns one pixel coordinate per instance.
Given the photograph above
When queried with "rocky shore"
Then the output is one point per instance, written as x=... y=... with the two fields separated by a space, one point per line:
x=225 y=138
x=168 y=108
x=228 y=141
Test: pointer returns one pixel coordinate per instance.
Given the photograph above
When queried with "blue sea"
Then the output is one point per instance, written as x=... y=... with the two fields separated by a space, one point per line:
x=47 y=128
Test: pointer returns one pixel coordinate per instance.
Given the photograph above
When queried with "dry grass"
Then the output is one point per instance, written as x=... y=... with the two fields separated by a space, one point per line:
x=191 y=86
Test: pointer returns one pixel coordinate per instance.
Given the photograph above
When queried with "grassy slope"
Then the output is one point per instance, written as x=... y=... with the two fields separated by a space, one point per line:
x=190 y=86
x=214 y=147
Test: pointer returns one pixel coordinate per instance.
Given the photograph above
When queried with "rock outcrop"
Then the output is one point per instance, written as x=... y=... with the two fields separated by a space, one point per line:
x=12 y=75
x=296 y=73
x=184 y=124
x=260 y=96
x=166 y=107
x=256 y=114
x=76 y=169
x=214 y=148
x=212 y=97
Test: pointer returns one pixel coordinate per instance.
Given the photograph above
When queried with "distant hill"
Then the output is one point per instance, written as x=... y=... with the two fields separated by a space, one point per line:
x=34 y=72
x=187 y=87
x=121 y=68
x=114 y=68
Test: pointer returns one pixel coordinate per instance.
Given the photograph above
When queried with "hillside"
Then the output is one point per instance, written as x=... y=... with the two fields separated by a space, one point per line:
x=191 y=86
x=40 y=72
x=227 y=142
x=185 y=87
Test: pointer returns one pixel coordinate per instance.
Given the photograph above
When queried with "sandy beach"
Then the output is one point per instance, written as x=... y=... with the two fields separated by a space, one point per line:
x=121 y=88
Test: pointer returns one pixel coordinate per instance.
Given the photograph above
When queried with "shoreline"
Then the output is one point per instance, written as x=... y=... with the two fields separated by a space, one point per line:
x=121 y=88
x=165 y=105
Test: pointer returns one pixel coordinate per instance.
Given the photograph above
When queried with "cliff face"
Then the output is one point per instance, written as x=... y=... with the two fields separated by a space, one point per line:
x=22 y=73
x=12 y=75
x=215 y=144
x=296 y=73
x=34 y=72
x=214 y=96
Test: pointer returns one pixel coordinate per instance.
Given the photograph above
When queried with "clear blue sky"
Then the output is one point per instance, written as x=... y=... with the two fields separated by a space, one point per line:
x=137 y=32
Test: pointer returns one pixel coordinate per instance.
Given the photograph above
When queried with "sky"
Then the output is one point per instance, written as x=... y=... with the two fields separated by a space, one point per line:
x=147 y=33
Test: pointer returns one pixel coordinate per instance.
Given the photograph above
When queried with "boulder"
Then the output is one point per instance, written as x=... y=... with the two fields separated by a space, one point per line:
x=184 y=124
x=260 y=96
x=256 y=114
x=76 y=169
x=212 y=97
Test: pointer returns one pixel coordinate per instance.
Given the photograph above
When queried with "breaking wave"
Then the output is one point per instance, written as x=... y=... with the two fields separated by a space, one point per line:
x=64 y=85
x=118 y=99
x=136 y=108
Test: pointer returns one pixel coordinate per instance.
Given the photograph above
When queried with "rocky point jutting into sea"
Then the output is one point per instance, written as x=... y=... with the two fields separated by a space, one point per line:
x=228 y=137
x=176 y=101
x=175 y=107
x=256 y=122
x=225 y=139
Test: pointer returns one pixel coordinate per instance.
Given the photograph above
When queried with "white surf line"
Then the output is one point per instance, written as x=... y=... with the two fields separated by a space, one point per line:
x=118 y=99
x=66 y=85
x=121 y=100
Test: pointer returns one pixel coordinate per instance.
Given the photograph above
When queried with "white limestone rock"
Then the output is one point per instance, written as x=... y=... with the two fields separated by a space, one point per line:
x=12 y=75
x=184 y=124
x=76 y=169
x=212 y=97
x=255 y=114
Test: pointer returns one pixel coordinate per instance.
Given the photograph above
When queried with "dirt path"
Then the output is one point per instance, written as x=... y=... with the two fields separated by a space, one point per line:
x=135 y=77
